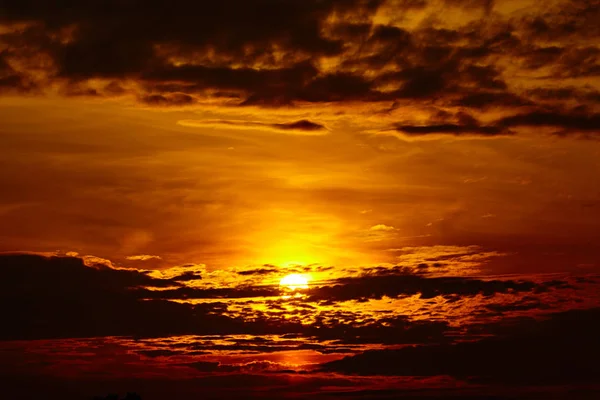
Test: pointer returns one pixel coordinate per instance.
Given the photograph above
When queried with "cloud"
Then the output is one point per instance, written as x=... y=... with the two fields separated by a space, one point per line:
x=143 y=257
x=484 y=100
x=565 y=122
x=54 y=297
x=11 y=80
x=181 y=273
x=325 y=56
x=534 y=353
x=41 y=295
x=211 y=293
x=258 y=271
x=146 y=261
x=175 y=99
x=103 y=307
x=566 y=94
x=248 y=367
x=300 y=127
x=443 y=122
x=63 y=297
x=397 y=282
x=382 y=228
x=451 y=129
x=575 y=121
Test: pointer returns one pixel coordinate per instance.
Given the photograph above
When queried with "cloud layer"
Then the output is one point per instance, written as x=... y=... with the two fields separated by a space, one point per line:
x=103 y=323
x=512 y=67
x=49 y=297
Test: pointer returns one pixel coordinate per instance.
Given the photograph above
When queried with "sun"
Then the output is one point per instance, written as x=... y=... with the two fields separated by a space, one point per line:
x=294 y=281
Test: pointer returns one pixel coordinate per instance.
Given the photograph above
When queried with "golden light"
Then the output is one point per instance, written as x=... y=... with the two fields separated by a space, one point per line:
x=294 y=281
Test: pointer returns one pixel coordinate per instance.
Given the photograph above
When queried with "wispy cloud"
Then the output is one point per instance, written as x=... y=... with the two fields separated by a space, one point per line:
x=382 y=228
x=143 y=257
x=300 y=127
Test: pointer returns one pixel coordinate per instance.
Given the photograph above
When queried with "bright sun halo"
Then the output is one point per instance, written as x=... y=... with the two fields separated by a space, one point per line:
x=294 y=281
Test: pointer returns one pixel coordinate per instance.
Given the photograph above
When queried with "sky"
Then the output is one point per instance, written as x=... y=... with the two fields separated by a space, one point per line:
x=426 y=171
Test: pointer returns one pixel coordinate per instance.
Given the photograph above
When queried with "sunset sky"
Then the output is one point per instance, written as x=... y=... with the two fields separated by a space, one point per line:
x=424 y=175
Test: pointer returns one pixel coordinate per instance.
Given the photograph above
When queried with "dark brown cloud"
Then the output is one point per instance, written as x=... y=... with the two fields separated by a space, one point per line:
x=175 y=99
x=63 y=297
x=534 y=353
x=258 y=271
x=300 y=126
x=59 y=297
x=576 y=121
x=488 y=99
x=390 y=284
x=451 y=129
x=303 y=125
x=566 y=93
x=117 y=40
x=569 y=19
x=71 y=273
x=194 y=78
x=122 y=42
x=270 y=54
x=11 y=80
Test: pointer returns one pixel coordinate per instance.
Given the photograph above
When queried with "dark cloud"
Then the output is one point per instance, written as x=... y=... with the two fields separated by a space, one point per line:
x=336 y=87
x=217 y=293
x=62 y=297
x=85 y=41
x=569 y=19
x=258 y=271
x=117 y=40
x=303 y=125
x=45 y=297
x=485 y=100
x=487 y=5
x=11 y=80
x=539 y=57
x=447 y=123
x=176 y=99
x=575 y=121
x=565 y=93
x=300 y=126
x=124 y=44
x=56 y=297
x=270 y=54
x=68 y=273
x=159 y=353
x=563 y=348
x=579 y=62
x=524 y=304
x=451 y=129
x=564 y=121
x=375 y=283
x=387 y=283
x=186 y=276
x=195 y=78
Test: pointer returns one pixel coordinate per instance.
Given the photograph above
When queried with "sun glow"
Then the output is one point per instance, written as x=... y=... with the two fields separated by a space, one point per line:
x=294 y=281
